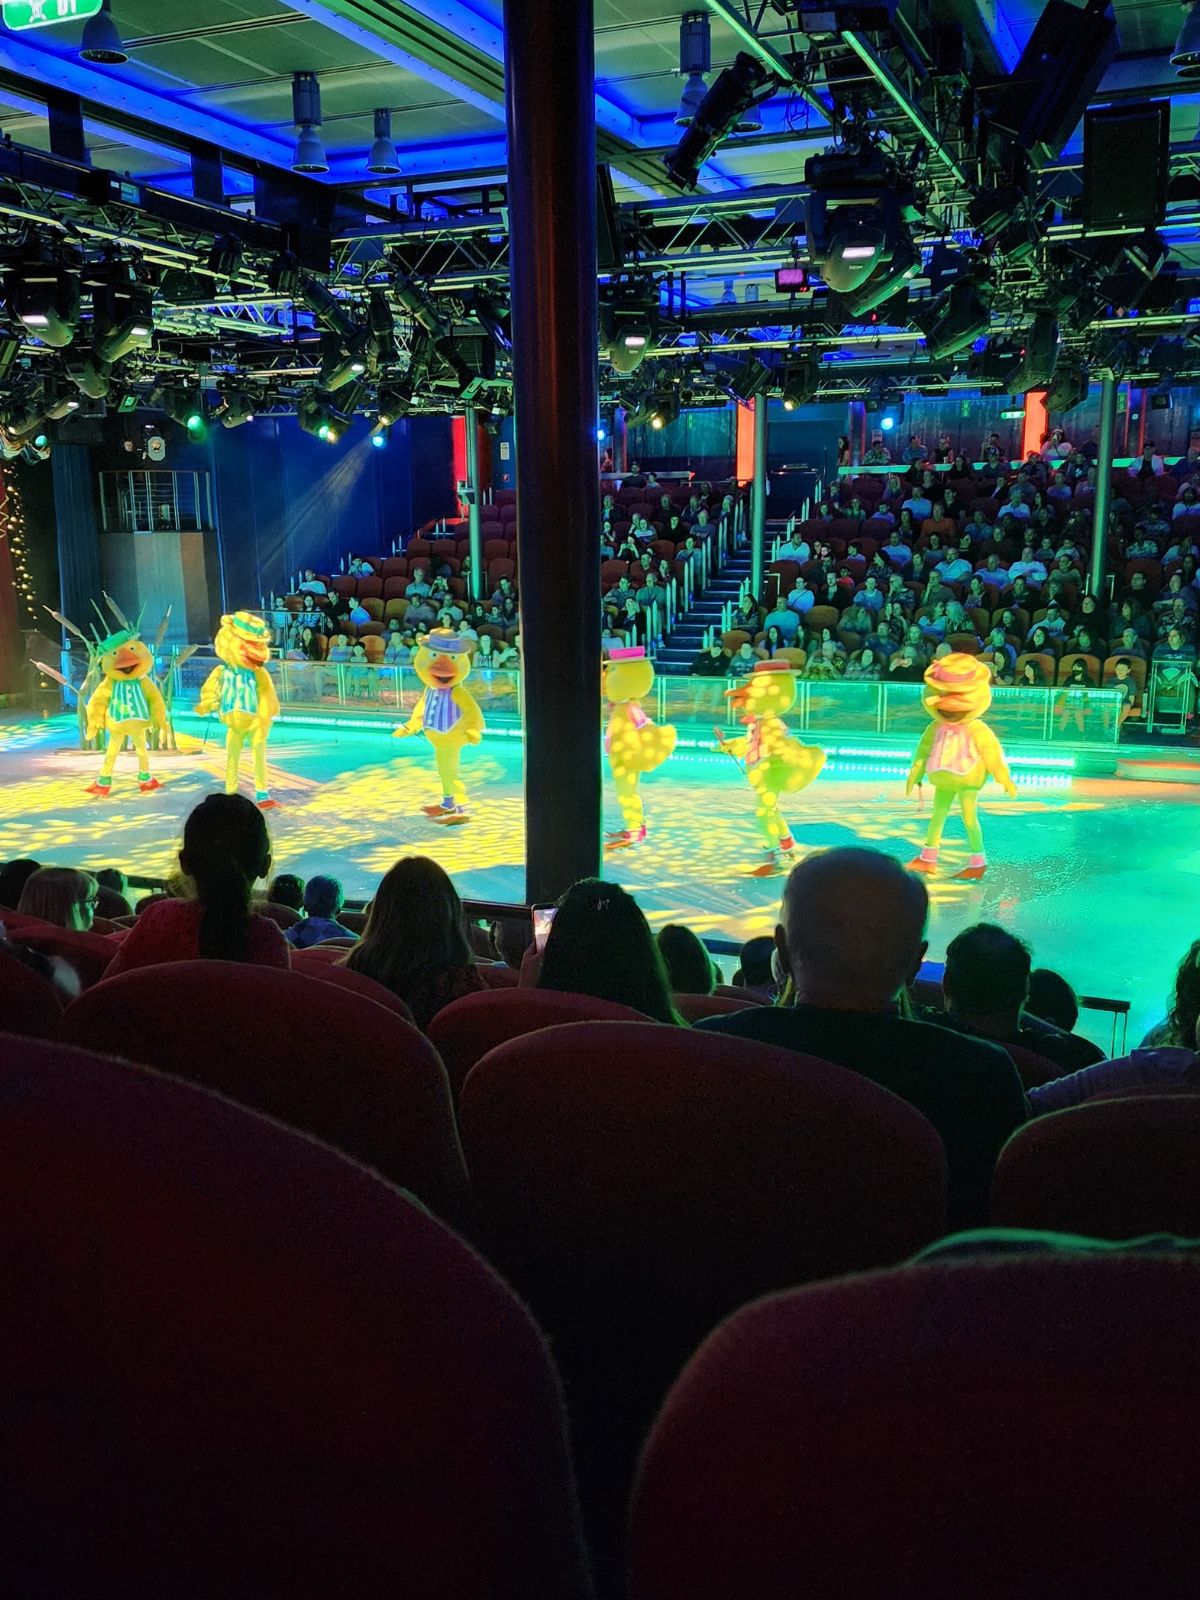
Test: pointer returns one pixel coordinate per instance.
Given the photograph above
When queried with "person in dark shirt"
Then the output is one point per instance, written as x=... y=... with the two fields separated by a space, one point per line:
x=852 y=935
x=986 y=985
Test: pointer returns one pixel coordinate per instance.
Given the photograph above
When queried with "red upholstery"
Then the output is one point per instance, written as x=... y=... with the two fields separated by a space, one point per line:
x=1004 y=1429
x=733 y=991
x=465 y=1030
x=636 y=1183
x=28 y=1004
x=695 y=1006
x=319 y=1058
x=237 y=1364
x=333 y=972
x=12 y=920
x=88 y=953
x=1033 y=1068
x=1113 y=1169
x=321 y=952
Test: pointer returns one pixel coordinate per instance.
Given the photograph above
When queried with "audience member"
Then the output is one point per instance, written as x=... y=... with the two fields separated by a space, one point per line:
x=852 y=935
x=754 y=971
x=1168 y=1066
x=600 y=944
x=1052 y=998
x=61 y=896
x=689 y=966
x=986 y=986
x=323 y=900
x=415 y=940
x=287 y=889
x=226 y=850
x=14 y=875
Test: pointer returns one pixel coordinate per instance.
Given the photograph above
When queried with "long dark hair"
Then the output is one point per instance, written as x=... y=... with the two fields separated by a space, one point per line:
x=688 y=963
x=226 y=849
x=600 y=944
x=414 y=930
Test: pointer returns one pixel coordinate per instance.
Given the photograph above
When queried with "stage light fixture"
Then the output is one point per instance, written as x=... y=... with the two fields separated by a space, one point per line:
x=306 y=114
x=344 y=360
x=59 y=398
x=395 y=401
x=1185 y=57
x=122 y=320
x=800 y=378
x=45 y=298
x=663 y=409
x=381 y=437
x=747 y=380
x=695 y=62
x=285 y=275
x=629 y=322
x=317 y=415
x=90 y=376
x=1067 y=389
x=725 y=109
x=236 y=407
x=855 y=220
x=101 y=42
x=225 y=257
x=382 y=157
x=184 y=406
x=961 y=317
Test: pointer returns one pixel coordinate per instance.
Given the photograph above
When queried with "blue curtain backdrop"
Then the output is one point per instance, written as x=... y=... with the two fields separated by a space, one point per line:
x=77 y=523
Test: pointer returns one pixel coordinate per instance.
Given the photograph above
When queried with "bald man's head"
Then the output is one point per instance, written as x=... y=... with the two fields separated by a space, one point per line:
x=853 y=931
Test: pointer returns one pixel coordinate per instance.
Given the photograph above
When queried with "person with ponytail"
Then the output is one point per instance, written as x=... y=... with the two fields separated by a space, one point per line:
x=226 y=850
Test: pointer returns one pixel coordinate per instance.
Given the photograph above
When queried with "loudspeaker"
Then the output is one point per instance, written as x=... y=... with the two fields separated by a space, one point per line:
x=1126 y=153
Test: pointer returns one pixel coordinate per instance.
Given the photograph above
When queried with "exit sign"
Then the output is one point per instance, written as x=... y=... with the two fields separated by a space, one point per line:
x=22 y=14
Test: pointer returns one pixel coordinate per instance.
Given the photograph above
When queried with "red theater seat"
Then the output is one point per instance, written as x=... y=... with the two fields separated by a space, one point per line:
x=89 y=954
x=237 y=1364
x=467 y=1029
x=343 y=978
x=497 y=976
x=1114 y=1169
x=1004 y=1429
x=695 y=1006
x=636 y=1183
x=346 y=587
x=369 y=588
x=28 y=1003
x=315 y=1056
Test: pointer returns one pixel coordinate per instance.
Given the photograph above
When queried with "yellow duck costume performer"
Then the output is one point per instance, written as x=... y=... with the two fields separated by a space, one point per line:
x=632 y=742
x=125 y=704
x=958 y=753
x=447 y=714
x=240 y=691
x=774 y=762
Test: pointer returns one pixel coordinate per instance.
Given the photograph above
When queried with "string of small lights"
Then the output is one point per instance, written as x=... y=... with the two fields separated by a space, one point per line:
x=12 y=528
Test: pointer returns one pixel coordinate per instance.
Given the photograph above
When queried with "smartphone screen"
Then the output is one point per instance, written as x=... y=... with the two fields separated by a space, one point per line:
x=543 y=916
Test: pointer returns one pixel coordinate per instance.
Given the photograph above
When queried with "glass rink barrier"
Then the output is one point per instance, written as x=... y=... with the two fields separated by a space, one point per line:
x=827 y=709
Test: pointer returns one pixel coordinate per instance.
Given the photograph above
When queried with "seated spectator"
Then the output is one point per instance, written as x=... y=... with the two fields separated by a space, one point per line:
x=865 y=665
x=1163 y=1066
x=510 y=939
x=690 y=968
x=323 y=900
x=906 y=664
x=420 y=614
x=1000 y=662
x=986 y=986
x=870 y=596
x=1149 y=464
x=919 y=506
x=992 y=575
x=712 y=661
x=877 y=454
x=1015 y=506
x=610 y=640
x=786 y=623
x=755 y=970
x=857 y=618
x=852 y=936
x=939 y=523
x=417 y=587
x=311 y=584
x=600 y=944
x=226 y=850
x=415 y=940
x=771 y=643
x=742 y=662
x=61 y=896
x=112 y=893
x=14 y=875
x=1052 y=998
x=801 y=598
x=286 y=889
x=1175 y=651
x=827 y=661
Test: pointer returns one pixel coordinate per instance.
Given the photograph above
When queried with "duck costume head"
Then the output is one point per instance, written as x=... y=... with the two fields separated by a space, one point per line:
x=958 y=753
x=126 y=703
x=773 y=761
x=447 y=714
x=242 y=694
x=633 y=743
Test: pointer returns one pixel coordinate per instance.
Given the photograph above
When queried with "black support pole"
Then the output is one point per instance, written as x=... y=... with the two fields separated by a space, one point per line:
x=550 y=97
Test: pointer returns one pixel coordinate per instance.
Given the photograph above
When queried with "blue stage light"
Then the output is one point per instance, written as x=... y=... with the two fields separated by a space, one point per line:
x=887 y=424
x=379 y=440
x=602 y=434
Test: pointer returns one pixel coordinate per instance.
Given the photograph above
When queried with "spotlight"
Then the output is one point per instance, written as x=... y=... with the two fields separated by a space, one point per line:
x=45 y=298
x=663 y=409
x=225 y=257
x=317 y=415
x=122 y=319
x=380 y=438
x=285 y=275
x=749 y=379
x=629 y=322
x=306 y=114
x=236 y=408
x=725 y=108
x=184 y=406
x=887 y=421
x=382 y=158
x=800 y=380
x=101 y=41
x=59 y=398
x=695 y=61
x=395 y=401
x=90 y=376
x=855 y=220
x=1185 y=57
x=344 y=360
